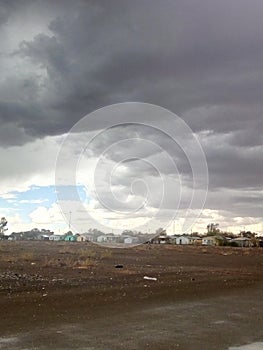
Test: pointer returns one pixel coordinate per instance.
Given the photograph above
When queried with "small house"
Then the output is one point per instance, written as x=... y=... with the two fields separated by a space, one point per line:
x=187 y=240
x=45 y=238
x=56 y=238
x=242 y=242
x=213 y=240
x=81 y=238
x=160 y=239
x=107 y=238
x=70 y=238
x=131 y=240
x=89 y=237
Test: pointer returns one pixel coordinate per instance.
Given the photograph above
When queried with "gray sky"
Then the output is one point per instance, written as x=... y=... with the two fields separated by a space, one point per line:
x=201 y=59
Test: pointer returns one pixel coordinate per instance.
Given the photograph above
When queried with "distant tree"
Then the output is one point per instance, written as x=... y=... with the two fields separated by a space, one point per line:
x=254 y=242
x=128 y=233
x=3 y=228
x=247 y=234
x=195 y=234
x=227 y=234
x=213 y=229
x=95 y=233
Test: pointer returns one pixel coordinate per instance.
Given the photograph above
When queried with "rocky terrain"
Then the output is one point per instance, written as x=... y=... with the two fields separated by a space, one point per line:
x=48 y=287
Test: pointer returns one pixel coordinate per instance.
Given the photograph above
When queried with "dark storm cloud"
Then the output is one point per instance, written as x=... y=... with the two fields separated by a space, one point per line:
x=201 y=59
x=235 y=168
x=236 y=203
x=7 y=7
x=181 y=55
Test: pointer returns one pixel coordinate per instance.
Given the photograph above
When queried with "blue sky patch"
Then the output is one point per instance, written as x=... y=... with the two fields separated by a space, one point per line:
x=24 y=203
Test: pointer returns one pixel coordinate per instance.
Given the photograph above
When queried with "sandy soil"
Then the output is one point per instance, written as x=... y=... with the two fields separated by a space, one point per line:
x=80 y=296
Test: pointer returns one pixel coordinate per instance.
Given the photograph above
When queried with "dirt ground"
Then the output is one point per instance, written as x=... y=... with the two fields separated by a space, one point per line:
x=62 y=295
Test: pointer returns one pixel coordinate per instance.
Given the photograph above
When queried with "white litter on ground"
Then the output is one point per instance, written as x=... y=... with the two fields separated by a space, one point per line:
x=150 y=278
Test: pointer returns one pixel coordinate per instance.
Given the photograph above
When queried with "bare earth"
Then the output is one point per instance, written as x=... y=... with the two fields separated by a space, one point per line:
x=72 y=296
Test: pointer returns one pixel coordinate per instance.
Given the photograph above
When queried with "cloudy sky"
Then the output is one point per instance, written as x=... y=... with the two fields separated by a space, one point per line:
x=200 y=59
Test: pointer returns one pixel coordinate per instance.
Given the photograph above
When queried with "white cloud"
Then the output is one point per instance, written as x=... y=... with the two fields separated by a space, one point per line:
x=31 y=164
x=15 y=222
x=46 y=216
x=33 y=201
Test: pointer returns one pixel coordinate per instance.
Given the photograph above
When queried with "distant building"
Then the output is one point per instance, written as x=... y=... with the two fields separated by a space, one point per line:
x=45 y=237
x=187 y=240
x=70 y=238
x=242 y=242
x=131 y=240
x=108 y=239
x=56 y=238
x=160 y=239
x=87 y=237
x=213 y=240
x=81 y=238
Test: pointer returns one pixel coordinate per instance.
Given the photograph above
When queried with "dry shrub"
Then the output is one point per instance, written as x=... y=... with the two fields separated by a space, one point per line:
x=27 y=256
x=84 y=263
x=9 y=258
x=93 y=253
x=50 y=262
x=66 y=250
x=87 y=253
x=105 y=253
x=69 y=262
